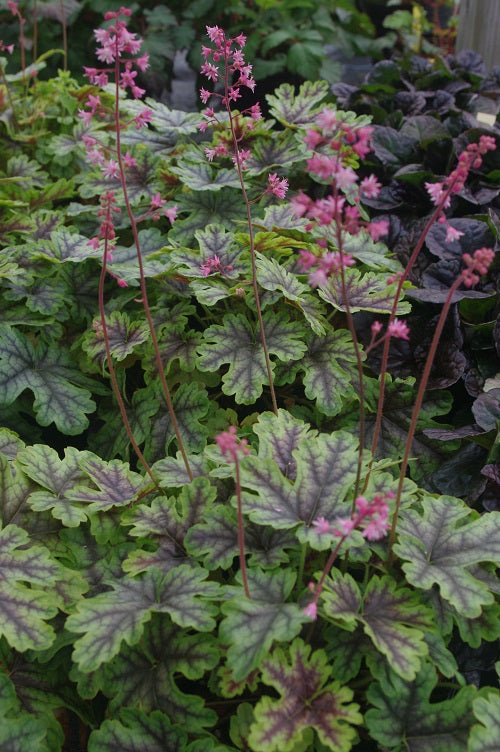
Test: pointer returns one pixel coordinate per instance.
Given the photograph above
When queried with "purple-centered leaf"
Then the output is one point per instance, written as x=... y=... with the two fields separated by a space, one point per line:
x=141 y=181
x=63 y=246
x=121 y=613
x=57 y=478
x=58 y=386
x=326 y=469
x=403 y=715
x=237 y=344
x=114 y=484
x=365 y=291
x=136 y=731
x=124 y=337
x=191 y=406
x=440 y=545
x=213 y=240
x=300 y=109
x=392 y=617
x=201 y=176
x=15 y=488
x=279 y=151
x=274 y=276
x=329 y=369
x=25 y=604
x=250 y=626
x=485 y=735
x=214 y=541
x=171 y=471
x=144 y=676
x=279 y=435
x=308 y=700
x=154 y=259
x=205 y=208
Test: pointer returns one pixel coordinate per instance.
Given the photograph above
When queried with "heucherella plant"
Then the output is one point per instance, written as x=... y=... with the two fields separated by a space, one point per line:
x=267 y=584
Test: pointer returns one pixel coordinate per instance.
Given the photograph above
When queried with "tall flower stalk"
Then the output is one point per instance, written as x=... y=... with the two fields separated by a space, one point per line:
x=119 y=50
x=224 y=61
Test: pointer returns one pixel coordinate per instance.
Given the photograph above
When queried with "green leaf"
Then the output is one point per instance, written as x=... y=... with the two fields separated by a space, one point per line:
x=215 y=540
x=25 y=571
x=366 y=291
x=403 y=717
x=191 y=405
x=154 y=259
x=124 y=337
x=121 y=613
x=63 y=246
x=201 y=176
x=214 y=240
x=330 y=371
x=279 y=435
x=237 y=344
x=57 y=477
x=137 y=731
x=50 y=374
x=485 y=735
x=114 y=484
x=326 y=469
x=250 y=626
x=274 y=276
x=145 y=676
x=204 y=208
x=439 y=546
x=392 y=617
x=308 y=700
x=297 y=110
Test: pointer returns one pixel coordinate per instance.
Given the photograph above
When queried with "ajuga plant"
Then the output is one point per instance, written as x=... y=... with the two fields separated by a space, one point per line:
x=245 y=546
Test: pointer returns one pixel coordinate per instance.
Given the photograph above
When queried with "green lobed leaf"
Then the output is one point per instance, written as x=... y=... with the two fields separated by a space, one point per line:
x=62 y=246
x=25 y=604
x=201 y=176
x=274 y=276
x=250 y=626
x=402 y=717
x=279 y=435
x=485 y=735
x=52 y=377
x=144 y=676
x=308 y=700
x=124 y=336
x=136 y=731
x=297 y=109
x=121 y=613
x=439 y=545
x=365 y=291
x=326 y=469
x=191 y=405
x=237 y=344
x=393 y=618
x=329 y=370
x=57 y=477
x=114 y=484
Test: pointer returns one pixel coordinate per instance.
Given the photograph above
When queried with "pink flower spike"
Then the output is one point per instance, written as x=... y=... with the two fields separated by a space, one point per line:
x=311 y=610
x=110 y=169
x=277 y=186
x=452 y=234
x=229 y=444
x=129 y=160
x=399 y=329
x=144 y=117
x=370 y=187
x=171 y=214
x=156 y=202
x=13 y=7
x=376 y=328
x=322 y=526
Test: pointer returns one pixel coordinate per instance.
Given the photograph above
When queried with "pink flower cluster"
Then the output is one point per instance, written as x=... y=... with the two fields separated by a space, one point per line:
x=230 y=445
x=225 y=61
x=396 y=328
x=371 y=518
x=478 y=263
x=6 y=47
x=327 y=265
x=441 y=192
x=213 y=265
x=117 y=43
x=107 y=230
x=336 y=146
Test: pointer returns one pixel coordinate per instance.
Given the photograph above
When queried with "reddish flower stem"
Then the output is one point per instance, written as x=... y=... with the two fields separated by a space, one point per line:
x=144 y=295
x=241 y=530
x=112 y=374
x=251 y=237
x=416 y=410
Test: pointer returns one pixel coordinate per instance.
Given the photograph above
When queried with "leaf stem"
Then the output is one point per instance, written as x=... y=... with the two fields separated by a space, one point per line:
x=241 y=530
